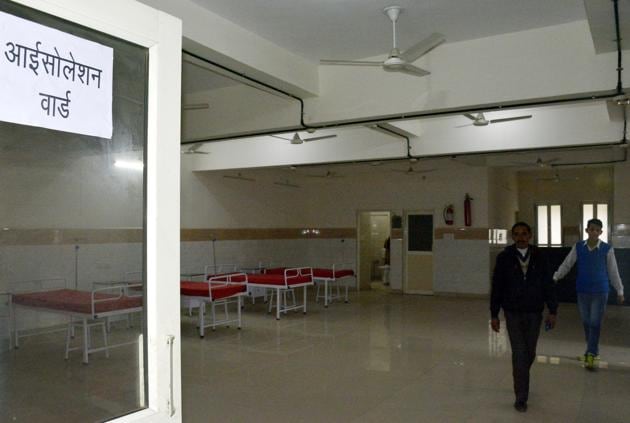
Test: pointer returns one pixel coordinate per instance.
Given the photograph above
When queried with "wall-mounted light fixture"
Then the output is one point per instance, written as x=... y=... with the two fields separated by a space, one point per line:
x=310 y=232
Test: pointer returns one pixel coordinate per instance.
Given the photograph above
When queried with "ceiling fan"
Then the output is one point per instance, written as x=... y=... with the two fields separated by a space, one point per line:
x=411 y=171
x=556 y=178
x=480 y=120
x=194 y=149
x=296 y=139
x=239 y=177
x=538 y=163
x=286 y=183
x=396 y=60
x=329 y=174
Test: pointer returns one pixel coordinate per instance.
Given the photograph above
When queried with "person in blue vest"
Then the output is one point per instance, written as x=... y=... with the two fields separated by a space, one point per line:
x=596 y=267
x=521 y=285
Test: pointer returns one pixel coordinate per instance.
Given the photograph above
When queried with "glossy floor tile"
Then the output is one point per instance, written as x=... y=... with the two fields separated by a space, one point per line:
x=381 y=358
x=395 y=358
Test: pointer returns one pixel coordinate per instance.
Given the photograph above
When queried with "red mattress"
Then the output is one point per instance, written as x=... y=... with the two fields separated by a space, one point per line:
x=200 y=289
x=328 y=273
x=275 y=271
x=278 y=279
x=70 y=300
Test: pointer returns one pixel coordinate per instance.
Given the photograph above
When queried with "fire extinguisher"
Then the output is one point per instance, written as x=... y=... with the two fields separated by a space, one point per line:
x=449 y=214
x=467 y=210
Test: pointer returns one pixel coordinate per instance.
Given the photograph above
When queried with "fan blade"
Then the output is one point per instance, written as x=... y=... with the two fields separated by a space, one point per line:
x=350 y=62
x=421 y=48
x=196 y=106
x=323 y=137
x=509 y=119
x=470 y=116
x=286 y=184
x=239 y=177
x=280 y=138
x=412 y=70
x=423 y=171
x=391 y=130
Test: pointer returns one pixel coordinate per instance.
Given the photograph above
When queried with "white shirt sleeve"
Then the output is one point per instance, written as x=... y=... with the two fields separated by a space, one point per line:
x=567 y=264
x=613 y=272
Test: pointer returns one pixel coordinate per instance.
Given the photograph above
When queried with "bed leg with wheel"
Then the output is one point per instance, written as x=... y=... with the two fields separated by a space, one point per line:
x=85 y=341
x=278 y=304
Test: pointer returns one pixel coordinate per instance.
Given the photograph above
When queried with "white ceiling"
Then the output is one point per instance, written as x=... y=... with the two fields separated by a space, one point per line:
x=353 y=29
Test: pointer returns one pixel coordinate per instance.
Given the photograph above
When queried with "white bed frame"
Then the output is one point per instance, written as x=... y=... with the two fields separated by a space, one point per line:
x=282 y=306
x=84 y=320
x=335 y=283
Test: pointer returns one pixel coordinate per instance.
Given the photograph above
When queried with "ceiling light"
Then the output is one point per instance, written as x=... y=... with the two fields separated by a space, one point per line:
x=129 y=164
x=622 y=100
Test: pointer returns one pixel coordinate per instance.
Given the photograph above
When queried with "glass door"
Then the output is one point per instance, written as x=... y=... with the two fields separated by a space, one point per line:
x=89 y=303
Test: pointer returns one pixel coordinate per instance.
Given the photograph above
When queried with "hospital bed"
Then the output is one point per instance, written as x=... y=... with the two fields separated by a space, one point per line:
x=86 y=309
x=281 y=281
x=334 y=276
x=209 y=271
x=217 y=290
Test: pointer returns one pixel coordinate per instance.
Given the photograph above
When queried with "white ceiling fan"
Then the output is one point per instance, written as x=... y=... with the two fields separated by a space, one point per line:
x=239 y=177
x=396 y=60
x=194 y=149
x=480 y=119
x=328 y=175
x=538 y=163
x=410 y=171
x=557 y=178
x=296 y=139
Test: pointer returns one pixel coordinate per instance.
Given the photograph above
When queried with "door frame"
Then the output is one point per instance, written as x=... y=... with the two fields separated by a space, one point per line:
x=406 y=214
x=358 y=239
x=161 y=34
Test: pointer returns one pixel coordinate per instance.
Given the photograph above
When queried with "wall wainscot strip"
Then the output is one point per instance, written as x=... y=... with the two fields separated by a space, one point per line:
x=462 y=233
x=191 y=235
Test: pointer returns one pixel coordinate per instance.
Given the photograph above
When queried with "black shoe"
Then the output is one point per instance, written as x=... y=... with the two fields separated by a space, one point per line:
x=520 y=406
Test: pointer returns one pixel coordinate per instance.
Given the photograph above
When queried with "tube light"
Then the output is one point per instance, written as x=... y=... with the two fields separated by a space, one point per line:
x=129 y=164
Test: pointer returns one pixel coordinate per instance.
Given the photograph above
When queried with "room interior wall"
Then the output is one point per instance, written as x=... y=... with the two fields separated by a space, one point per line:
x=502 y=197
x=212 y=201
x=573 y=187
x=621 y=206
x=242 y=109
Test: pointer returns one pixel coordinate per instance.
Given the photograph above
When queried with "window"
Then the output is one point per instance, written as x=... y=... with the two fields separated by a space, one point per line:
x=595 y=211
x=549 y=225
x=497 y=236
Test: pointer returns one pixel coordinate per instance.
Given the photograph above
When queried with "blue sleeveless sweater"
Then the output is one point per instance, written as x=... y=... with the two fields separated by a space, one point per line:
x=592 y=269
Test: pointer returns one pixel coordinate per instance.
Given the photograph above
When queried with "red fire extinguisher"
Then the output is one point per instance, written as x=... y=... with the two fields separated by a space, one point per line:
x=449 y=214
x=467 y=210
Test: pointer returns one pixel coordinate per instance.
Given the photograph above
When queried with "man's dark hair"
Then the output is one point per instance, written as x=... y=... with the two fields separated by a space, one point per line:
x=595 y=222
x=523 y=224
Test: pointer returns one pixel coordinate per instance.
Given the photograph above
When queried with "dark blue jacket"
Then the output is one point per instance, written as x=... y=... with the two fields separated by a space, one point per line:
x=514 y=291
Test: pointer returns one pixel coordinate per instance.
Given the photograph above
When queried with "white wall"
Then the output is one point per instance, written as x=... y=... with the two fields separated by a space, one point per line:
x=84 y=192
x=210 y=201
x=237 y=109
x=503 y=197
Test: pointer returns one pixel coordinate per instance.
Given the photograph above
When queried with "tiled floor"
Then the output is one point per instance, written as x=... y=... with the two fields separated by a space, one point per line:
x=387 y=357
x=382 y=358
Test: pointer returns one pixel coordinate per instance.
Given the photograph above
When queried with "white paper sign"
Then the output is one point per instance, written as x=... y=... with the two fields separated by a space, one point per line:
x=54 y=80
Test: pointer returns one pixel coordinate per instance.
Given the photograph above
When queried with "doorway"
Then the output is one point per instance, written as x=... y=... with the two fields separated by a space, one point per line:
x=373 y=253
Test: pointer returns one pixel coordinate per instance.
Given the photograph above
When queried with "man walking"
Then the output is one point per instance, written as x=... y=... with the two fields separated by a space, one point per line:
x=596 y=266
x=521 y=285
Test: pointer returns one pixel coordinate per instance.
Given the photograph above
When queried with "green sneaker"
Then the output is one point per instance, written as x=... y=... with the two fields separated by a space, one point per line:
x=589 y=361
